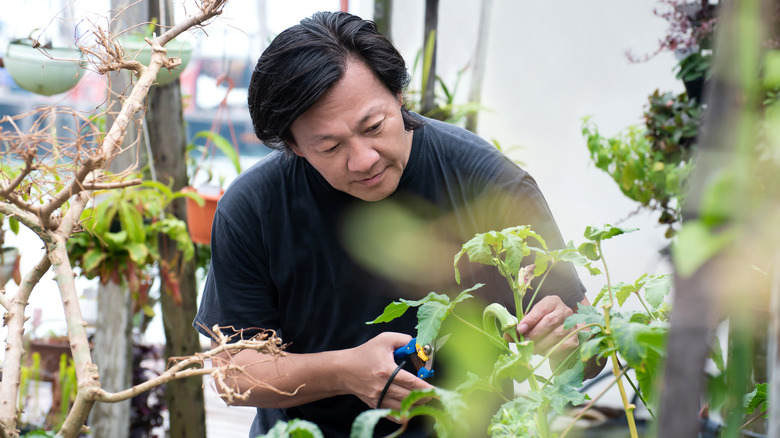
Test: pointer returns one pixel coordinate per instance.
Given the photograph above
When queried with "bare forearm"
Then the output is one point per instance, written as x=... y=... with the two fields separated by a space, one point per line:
x=289 y=380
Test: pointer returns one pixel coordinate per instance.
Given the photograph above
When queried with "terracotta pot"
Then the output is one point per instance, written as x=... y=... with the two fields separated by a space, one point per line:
x=199 y=219
x=33 y=71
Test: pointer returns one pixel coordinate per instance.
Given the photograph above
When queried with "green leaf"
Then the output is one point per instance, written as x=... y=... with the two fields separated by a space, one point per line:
x=571 y=254
x=623 y=291
x=159 y=190
x=138 y=252
x=585 y=315
x=132 y=222
x=591 y=347
x=589 y=250
x=473 y=383
x=392 y=311
x=13 y=225
x=516 y=249
x=511 y=366
x=656 y=289
x=696 y=243
x=455 y=263
x=716 y=354
x=478 y=250
x=757 y=399
x=364 y=424
x=466 y=294
x=597 y=234
x=101 y=217
x=626 y=336
x=541 y=262
x=224 y=145
x=563 y=391
x=430 y=316
x=295 y=428
x=116 y=240
x=648 y=375
x=92 y=259
x=516 y=418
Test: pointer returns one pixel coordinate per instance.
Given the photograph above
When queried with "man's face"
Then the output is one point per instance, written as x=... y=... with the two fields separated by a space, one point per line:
x=354 y=135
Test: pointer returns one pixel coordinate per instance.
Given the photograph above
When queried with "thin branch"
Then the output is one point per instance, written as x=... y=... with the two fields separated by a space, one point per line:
x=109 y=186
x=14 y=183
x=14 y=319
x=24 y=217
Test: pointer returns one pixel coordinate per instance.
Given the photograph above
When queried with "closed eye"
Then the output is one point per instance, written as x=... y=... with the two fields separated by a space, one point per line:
x=374 y=128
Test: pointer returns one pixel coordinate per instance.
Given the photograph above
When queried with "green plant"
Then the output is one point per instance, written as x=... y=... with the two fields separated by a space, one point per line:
x=120 y=237
x=445 y=108
x=694 y=66
x=68 y=388
x=650 y=164
x=206 y=151
x=637 y=336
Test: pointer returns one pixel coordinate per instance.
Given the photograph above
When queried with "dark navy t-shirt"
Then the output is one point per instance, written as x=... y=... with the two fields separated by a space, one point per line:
x=292 y=254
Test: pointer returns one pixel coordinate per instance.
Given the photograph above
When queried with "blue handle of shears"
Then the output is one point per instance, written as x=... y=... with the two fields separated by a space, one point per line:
x=402 y=352
x=424 y=373
x=408 y=350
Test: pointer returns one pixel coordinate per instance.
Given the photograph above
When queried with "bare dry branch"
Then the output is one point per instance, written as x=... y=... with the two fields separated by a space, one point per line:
x=14 y=319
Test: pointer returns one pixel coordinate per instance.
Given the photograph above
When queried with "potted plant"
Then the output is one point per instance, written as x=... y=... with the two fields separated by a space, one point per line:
x=120 y=239
x=201 y=208
x=42 y=68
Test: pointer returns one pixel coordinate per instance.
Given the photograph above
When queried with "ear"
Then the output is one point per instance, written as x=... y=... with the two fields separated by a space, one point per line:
x=400 y=99
x=290 y=142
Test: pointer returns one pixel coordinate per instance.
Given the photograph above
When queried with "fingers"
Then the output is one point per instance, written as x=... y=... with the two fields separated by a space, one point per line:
x=544 y=324
x=377 y=366
x=544 y=317
x=403 y=384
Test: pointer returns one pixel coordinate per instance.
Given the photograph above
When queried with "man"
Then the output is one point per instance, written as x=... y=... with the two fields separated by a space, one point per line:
x=327 y=94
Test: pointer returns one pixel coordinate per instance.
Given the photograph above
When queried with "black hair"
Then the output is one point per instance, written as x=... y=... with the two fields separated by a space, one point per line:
x=304 y=61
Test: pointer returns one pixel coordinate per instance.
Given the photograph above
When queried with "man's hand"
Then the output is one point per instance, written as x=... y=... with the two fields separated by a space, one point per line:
x=373 y=365
x=544 y=325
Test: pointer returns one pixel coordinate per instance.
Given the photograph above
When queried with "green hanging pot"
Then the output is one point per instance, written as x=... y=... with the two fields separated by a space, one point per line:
x=34 y=71
x=139 y=50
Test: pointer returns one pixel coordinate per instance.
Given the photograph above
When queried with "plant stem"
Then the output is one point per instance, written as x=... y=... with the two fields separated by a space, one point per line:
x=592 y=402
x=649 y=312
x=552 y=350
x=503 y=345
x=609 y=283
x=541 y=415
x=641 y=397
x=760 y=414
x=627 y=406
x=536 y=291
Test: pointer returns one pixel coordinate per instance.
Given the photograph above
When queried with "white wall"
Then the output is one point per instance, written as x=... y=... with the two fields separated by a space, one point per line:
x=549 y=64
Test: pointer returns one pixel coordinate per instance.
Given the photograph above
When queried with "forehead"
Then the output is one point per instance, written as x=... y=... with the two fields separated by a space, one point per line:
x=350 y=102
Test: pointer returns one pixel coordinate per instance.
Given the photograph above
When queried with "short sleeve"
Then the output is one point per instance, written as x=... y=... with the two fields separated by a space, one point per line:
x=238 y=294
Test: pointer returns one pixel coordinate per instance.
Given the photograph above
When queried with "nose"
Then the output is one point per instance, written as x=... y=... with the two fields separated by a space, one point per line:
x=362 y=158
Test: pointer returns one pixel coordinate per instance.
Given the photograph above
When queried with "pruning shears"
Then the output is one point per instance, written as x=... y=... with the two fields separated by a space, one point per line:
x=421 y=357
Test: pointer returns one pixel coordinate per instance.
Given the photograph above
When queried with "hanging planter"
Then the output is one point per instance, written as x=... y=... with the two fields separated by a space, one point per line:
x=45 y=71
x=201 y=216
x=139 y=50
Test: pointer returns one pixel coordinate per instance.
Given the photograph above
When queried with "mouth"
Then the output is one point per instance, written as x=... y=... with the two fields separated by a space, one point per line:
x=373 y=180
